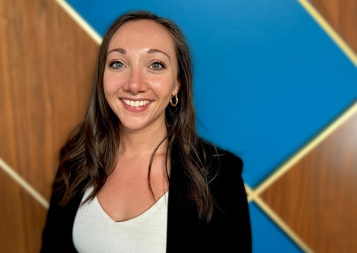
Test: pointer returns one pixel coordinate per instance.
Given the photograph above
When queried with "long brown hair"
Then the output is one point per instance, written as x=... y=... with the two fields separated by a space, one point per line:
x=90 y=154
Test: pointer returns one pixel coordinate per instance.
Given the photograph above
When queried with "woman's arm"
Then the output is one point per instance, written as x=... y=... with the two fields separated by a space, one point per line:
x=57 y=233
x=230 y=228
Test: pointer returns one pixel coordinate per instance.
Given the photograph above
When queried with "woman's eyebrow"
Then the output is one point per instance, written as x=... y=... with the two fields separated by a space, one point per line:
x=151 y=51
x=119 y=50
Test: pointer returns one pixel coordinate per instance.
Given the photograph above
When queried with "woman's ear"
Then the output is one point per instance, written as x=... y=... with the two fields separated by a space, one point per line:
x=177 y=88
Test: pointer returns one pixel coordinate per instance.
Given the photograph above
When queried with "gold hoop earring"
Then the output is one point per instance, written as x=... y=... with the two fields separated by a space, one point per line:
x=176 y=101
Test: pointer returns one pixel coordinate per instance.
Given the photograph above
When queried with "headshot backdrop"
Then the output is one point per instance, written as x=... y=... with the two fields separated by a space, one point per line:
x=275 y=82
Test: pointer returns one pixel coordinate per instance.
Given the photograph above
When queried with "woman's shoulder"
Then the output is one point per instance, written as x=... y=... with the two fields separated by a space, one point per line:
x=222 y=159
x=224 y=175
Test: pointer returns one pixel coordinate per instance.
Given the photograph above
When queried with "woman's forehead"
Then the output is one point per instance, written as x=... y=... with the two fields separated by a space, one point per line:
x=144 y=34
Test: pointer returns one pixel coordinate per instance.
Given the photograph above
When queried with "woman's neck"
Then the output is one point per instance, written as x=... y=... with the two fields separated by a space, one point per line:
x=142 y=143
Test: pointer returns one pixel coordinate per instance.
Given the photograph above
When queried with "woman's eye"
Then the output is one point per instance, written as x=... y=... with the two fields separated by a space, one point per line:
x=157 y=66
x=117 y=65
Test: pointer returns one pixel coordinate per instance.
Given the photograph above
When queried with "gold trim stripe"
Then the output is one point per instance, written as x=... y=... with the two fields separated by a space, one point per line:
x=249 y=191
x=316 y=141
x=329 y=30
x=27 y=187
x=282 y=225
x=80 y=21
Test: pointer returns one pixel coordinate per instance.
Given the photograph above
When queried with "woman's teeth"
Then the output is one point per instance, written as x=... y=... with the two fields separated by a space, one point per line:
x=135 y=103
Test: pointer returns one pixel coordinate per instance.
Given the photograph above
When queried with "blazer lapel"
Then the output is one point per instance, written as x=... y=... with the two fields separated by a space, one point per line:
x=183 y=233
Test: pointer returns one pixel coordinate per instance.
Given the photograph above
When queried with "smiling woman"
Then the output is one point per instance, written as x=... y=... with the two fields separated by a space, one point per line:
x=135 y=176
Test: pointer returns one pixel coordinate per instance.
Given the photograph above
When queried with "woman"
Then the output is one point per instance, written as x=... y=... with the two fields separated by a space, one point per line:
x=134 y=176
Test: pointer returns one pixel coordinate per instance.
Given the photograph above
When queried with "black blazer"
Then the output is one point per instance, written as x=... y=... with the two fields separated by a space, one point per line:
x=228 y=231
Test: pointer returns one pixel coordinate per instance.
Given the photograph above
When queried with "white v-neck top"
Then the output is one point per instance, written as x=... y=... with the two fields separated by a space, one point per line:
x=95 y=231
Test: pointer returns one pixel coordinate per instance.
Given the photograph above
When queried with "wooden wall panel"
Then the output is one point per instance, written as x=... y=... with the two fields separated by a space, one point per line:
x=47 y=64
x=21 y=218
x=46 y=71
x=342 y=16
x=317 y=197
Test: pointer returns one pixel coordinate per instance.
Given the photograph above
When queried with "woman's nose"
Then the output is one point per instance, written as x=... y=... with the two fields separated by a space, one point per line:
x=136 y=82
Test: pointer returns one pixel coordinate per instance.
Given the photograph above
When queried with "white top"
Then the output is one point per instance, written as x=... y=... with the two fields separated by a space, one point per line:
x=95 y=231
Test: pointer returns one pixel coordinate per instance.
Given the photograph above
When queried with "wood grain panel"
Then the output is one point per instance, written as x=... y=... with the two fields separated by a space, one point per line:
x=47 y=64
x=317 y=198
x=342 y=16
x=46 y=70
x=21 y=218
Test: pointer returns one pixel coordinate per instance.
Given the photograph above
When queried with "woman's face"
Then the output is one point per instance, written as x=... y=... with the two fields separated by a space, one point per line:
x=140 y=74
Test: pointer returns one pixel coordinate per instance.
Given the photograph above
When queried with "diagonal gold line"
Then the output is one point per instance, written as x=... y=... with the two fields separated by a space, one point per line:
x=282 y=225
x=80 y=21
x=316 y=141
x=250 y=192
x=330 y=31
x=27 y=187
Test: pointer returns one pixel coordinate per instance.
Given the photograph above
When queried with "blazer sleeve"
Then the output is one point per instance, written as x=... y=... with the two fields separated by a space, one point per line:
x=230 y=227
x=57 y=233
